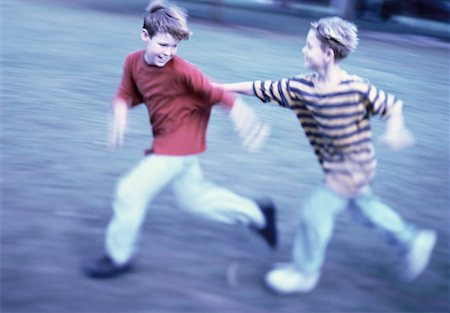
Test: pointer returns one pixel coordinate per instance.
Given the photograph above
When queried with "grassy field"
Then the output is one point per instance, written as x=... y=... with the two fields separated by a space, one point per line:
x=60 y=67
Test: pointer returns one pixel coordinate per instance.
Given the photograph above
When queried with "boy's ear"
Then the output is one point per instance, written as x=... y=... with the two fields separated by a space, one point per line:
x=145 y=35
x=330 y=54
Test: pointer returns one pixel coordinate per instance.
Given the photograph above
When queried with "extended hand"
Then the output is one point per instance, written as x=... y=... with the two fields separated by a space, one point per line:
x=119 y=125
x=253 y=131
x=400 y=139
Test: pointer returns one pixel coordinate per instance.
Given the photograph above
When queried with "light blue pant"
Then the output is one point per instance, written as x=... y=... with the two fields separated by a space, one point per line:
x=317 y=222
x=192 y=190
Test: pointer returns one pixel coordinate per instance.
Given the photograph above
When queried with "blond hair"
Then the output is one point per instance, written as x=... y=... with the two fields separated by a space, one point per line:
x=337 y=34
x=163 y=17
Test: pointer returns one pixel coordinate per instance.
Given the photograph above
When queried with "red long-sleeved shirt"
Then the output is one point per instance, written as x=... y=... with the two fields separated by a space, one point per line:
x=178 y=98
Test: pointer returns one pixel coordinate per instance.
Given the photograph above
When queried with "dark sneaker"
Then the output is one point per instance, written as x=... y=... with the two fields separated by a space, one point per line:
x=269 y=232
x=104 y=267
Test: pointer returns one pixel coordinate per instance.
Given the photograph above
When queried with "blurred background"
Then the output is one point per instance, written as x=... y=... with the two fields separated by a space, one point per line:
x=61 y=62
x=420 y=17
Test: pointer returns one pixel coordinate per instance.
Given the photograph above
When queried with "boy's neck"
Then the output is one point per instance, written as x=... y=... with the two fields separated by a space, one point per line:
x=330 y=76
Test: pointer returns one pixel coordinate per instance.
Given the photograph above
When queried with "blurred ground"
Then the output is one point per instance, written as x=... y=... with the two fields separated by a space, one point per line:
x=60 y=67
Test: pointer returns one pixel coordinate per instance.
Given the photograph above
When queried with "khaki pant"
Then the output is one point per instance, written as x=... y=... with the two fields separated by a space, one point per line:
x=192 y=191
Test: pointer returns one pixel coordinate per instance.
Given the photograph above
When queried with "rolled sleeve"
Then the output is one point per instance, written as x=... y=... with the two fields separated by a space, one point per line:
x=380 y=102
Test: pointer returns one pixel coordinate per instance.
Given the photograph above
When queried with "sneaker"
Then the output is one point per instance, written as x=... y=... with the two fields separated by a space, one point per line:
x=104 y=267
x=269 y=231
x=286 y=279
x=419 y=254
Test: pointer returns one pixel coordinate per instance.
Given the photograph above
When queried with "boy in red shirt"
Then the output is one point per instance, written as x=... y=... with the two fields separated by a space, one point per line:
x=179 y=99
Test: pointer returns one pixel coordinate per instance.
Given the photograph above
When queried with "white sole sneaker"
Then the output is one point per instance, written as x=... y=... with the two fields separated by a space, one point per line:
x=419 y=255
x=285 y=279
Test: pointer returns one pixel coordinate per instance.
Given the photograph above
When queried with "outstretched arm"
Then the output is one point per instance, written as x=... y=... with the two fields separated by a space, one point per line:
x=248 y=126
x=119 y=123
x=397 y=136
x=244 y=88
x=276 y=91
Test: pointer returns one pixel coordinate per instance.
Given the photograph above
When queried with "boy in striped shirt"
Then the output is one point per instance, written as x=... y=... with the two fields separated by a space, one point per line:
x=334 y=109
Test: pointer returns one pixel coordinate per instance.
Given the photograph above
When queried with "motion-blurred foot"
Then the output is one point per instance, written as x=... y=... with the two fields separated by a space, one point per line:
x=418 y=256
x=104 y=267
x=269 y=231
x=286 y=279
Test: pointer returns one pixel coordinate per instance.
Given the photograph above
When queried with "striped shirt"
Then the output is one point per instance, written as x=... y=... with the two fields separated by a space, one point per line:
x=336 y=124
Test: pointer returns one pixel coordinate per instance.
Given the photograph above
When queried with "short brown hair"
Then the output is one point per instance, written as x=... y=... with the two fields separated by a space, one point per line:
x=162 y=17
x=337 y=34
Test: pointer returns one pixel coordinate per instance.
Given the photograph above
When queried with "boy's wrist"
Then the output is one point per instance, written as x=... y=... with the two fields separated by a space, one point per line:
x=229 y=99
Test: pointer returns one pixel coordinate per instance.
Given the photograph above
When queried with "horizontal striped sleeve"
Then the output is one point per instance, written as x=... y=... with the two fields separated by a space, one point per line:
x=277 y=91
x=380 y=103
x=299 y=87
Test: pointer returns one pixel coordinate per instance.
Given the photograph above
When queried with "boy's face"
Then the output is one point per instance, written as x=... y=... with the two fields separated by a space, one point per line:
x=159 y=49
x=315 y=58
